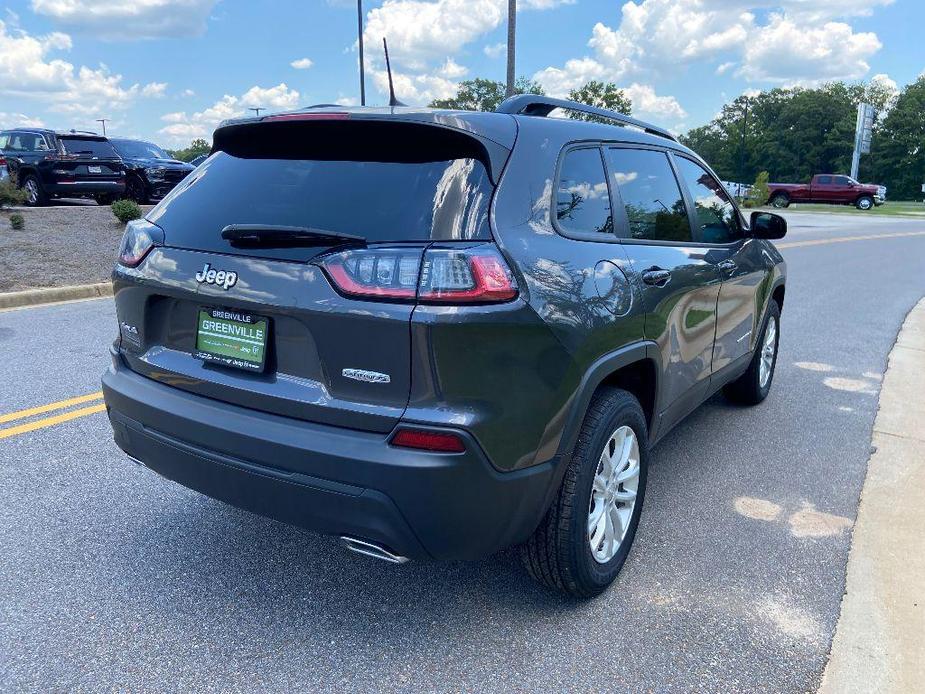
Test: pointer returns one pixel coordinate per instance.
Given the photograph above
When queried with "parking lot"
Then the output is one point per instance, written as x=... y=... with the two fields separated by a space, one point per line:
x=114 y=579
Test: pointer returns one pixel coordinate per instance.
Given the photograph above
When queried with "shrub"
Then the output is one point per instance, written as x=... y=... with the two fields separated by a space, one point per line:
x=10 y=193
x=759 y=193
x=126 y=210
x=17 y=221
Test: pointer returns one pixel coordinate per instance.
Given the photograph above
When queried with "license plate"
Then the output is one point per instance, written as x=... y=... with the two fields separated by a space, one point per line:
x=95 y=169
x=232 y=338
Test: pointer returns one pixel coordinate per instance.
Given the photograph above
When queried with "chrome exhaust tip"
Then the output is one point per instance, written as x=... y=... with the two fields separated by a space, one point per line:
x=371 y=549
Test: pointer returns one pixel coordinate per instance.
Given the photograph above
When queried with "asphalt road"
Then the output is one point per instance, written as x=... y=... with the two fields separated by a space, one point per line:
x=114 y=579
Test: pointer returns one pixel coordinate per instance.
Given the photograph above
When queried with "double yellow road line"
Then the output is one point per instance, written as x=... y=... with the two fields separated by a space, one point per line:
x=42 y=422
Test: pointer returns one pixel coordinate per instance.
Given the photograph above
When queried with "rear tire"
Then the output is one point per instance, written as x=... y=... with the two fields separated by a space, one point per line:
x=865 y=202
x=105 y=199
x=37 y=196
x=780 y=200
x=570 y=550
x=753 y=386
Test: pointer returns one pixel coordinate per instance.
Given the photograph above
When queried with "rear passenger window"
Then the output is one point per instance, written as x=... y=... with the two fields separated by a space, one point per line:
x=717 y=220
x=582 y=198
x=824 y=180
x=654 y=205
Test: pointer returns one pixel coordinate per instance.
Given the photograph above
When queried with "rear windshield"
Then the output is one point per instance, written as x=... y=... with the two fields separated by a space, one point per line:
x=445 y=199
x=139 y=150
x=88 y=147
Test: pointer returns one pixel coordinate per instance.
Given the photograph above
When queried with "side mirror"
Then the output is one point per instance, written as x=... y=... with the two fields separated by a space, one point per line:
x=767 y=225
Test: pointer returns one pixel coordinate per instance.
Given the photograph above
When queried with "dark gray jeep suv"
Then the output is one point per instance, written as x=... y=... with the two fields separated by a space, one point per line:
x=436 y=334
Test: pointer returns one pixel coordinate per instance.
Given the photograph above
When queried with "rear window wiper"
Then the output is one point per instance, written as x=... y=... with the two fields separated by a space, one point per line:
x=279 y=236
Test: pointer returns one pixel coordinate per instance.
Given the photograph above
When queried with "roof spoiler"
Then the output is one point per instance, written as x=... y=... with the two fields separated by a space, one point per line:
x=542 y=106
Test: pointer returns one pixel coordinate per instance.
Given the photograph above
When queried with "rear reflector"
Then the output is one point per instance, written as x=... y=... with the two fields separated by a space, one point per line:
x=305 y=116
x=442 y=276
x=428 y=441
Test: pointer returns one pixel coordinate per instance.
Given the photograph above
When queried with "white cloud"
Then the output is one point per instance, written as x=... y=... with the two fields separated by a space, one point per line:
x=423 y=36
x=346 y=101
x=123 y=20
x=452 y=70
x=798 y=43
x=187 y=93
x=182 y=127
x=495 y=50
x=785 y=52
x=27 y=69
x=19 y=120
x=277 y=98
x=302 y=63
x=154 y=90
x=647 y=103
x=884 y=82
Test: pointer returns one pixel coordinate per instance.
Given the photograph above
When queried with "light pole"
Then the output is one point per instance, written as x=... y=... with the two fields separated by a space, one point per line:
x=256 y=110
x=511 y=32
x=103 y=121
x=360 y=40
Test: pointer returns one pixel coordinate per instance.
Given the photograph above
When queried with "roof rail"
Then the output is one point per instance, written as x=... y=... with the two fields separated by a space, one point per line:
x=536 y=105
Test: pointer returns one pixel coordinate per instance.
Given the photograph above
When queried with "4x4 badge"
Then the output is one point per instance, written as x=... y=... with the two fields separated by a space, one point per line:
x=366 y=376
x=220 y=278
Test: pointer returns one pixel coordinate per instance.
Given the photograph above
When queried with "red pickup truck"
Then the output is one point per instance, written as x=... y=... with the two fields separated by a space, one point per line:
x=831 y=189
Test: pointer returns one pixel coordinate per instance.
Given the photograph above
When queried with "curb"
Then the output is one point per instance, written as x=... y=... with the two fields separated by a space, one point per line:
x=879 y=642
x=36 y=297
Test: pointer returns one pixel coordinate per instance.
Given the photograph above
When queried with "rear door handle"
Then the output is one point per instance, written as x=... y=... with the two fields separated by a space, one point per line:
x=656 y=276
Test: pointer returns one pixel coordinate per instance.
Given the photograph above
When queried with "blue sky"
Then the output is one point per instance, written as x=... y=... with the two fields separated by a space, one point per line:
x=169 y=70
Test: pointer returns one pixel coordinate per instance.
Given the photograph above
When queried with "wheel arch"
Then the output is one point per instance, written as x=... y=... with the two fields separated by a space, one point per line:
x=634 y=368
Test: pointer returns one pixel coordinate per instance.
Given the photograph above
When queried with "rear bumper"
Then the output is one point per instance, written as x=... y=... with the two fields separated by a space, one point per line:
x=326 y=479
x=85 y=188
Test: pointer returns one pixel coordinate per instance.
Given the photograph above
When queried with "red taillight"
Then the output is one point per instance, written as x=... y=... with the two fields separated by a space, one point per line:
x=380 y=273
x=139 y=238
x=2 y=161
x=477 y=275
x=442 y=276
x=438 y=441
x=305 y=116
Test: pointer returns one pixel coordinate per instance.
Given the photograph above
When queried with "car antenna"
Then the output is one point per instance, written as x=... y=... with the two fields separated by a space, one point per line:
x=388 y=67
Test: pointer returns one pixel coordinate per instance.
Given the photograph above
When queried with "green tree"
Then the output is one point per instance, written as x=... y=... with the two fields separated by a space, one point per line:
x=602 y=95
x=197 y=147
x=483 y=94
x=897 y=158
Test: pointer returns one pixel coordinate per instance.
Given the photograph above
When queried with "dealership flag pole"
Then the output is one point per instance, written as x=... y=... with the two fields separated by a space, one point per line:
x=360 y=40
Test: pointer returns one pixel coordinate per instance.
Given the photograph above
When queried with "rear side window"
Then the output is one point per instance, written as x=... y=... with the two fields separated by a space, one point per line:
x=717 y=219
x=654 y=205
x=88 y=147
x=582 y=197
x=26 y=142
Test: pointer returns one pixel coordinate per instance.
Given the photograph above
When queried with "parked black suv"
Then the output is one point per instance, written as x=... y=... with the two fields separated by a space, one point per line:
x=151 y=173
x=72 y=164
x=436 y=334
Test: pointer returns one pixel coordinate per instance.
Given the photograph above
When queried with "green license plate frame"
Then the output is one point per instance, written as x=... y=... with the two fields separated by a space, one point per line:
x=233 y=338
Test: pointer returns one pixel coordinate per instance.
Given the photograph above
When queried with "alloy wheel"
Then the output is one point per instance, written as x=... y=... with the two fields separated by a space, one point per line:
x=768 y=348
x=613 y=494
x=32 y=191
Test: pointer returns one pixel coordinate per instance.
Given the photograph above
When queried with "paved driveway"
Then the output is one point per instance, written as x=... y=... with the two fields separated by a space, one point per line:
x=111 y=578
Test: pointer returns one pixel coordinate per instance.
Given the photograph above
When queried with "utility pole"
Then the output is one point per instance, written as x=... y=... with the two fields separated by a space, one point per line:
x=511 y=32
x=256 y=110
x=360 y=39
x=742 y=153
x=103 y=121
